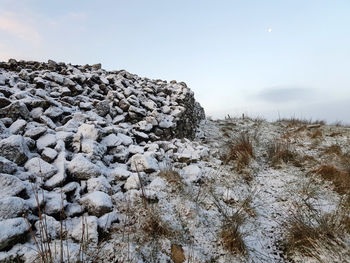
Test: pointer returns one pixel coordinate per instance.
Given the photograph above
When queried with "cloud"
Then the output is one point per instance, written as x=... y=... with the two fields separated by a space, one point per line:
x=19 y=28
x=284 y=94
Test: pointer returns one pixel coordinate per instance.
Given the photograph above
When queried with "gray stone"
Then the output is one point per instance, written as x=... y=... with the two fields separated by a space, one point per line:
x=49 y=154
x=6 y=166
x=111 y=140
x=11 y=207
x=143 y=163
x=14 y=149
x=81 y=168
x=53 y=112
x=10 y=185
x=102 y=108
x=97 y=203
x=17 y=127
x=40 y=168
x=98 y=184
x=47 y=140
x=12 y=230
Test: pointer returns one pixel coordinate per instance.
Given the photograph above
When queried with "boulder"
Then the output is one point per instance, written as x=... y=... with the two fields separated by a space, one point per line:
x=143 y=163
x=40 y=168
x=97 y=203
x=6 y=166
x=81 y=168
x=10 y=185
x=11 y=207
x=12 y=230
x=14 y=149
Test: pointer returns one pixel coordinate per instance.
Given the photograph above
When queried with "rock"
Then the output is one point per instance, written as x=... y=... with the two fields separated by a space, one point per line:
x=4 y=102
x=192 y=173
x=88 y=131
x=90 y=232
x=97 y=203
x=120 y=173
x=54 y=203
x=11 y=207
x=53 y=112
x=143 y=163
x=48 y=122
x=17 y=127
x=12 y=230
x=102 y=108
x=40 y=168
x=15 y=110
x=49 y=154
x=126 y=140
x=81 y=168
x=93 y=148
x=36 y=113
x=73 y=210
x=111 y=140
x=47 y=140
x=35 y=130
x=98 y=184
x=4 y=132
x=133 y=182
x=14 y=149
x=105 y=222
x=6 y=166
x=60 y=177
x=49 y=226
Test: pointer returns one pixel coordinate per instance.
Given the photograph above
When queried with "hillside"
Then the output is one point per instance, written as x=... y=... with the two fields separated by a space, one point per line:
x=106 y=166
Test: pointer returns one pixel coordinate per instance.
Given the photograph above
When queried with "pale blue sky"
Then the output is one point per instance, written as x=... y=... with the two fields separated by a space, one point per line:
x=221 y=49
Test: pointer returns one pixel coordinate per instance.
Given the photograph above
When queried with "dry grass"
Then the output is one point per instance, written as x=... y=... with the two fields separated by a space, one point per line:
x=333 y=149
x=230 y=233
x=241 y=151
x=339 y=178
x=155 y=227
x=316 y=134
x=280 y=151
x=177 y=253
x=308 y=230
x=293 y=121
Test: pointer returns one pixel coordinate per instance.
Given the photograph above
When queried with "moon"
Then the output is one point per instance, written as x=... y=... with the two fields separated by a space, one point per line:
x=269 y=30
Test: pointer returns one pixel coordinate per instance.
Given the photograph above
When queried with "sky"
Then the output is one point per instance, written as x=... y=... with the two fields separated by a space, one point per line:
x=266 y=58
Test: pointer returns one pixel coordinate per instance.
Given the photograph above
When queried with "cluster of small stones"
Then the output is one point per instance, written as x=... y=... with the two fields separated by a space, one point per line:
x=71 y=137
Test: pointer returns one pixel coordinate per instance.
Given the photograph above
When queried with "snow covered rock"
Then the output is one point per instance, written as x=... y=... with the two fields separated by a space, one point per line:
x=11 y=207
x=6 y=166
x=10 y=185
x=40 y=168
x=143 y=163
x=81 y=168
x=12 y=230
x=14 y=149
x=88 y=225
x=191 y=173
x=97 y=203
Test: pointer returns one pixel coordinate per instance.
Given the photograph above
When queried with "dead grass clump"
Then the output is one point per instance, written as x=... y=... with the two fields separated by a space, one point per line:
x=231 y=236
x=316 y=134
x=241 y=151
x=155 y=227
x=309 y=230
x=339 y=178
x=230 y=233
x=171 y=176
x=333 y=149
x=281 y=151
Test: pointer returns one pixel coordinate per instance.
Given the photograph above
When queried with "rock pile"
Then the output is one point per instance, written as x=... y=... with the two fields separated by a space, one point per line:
x=71 y=137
